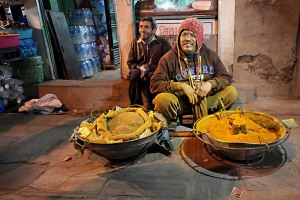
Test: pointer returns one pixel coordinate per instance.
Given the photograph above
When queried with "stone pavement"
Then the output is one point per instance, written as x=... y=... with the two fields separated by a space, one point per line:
x=37 y=161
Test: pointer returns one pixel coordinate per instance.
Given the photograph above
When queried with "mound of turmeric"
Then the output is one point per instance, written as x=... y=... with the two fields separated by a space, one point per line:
x=237 y=128
x=119 y=126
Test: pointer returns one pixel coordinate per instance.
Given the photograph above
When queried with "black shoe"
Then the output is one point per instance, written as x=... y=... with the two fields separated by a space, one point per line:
x=167 y=144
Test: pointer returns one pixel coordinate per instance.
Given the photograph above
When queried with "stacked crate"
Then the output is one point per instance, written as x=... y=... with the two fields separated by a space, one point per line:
x=11 y=90
x=19 y=63
x=9 y=47
x=30 y=68
x=28 y=44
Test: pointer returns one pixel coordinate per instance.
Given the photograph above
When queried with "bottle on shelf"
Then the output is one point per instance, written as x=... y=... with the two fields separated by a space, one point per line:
x=4 y=94
x=83 y=34
x=84 y=69
x=90 y=68
x=17 y=88
x=94 y=64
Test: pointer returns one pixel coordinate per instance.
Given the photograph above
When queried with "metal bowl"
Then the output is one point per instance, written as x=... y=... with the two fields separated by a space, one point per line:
x=240 y=151
x=122 y=150
x=118 y=151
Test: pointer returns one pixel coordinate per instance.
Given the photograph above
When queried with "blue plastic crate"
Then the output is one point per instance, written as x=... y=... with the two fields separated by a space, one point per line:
x=24 y=34
x=29 y=52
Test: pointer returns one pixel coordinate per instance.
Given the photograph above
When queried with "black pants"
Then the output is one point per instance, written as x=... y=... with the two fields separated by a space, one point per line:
x=139 y=86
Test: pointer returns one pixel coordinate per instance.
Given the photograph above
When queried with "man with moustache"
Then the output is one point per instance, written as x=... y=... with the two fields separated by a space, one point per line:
x=191 y=79
x=142 y=61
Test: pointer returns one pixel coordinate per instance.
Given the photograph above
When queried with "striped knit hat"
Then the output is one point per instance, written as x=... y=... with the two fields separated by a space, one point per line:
x=194 y=25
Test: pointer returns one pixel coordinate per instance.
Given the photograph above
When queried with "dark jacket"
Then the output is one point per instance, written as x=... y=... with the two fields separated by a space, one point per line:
x=141 y=54
x=168 y=71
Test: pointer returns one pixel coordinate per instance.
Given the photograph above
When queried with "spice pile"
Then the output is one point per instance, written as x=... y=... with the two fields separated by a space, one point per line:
x=242 y=128
x=119 y=126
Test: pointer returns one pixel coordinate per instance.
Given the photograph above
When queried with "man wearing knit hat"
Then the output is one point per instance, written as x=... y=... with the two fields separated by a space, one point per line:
x=190 y=78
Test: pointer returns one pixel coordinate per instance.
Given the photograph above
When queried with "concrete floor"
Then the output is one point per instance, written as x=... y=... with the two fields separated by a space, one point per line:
x=37 y=161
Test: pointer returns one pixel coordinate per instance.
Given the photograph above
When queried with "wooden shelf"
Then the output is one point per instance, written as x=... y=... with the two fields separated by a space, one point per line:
x=205 y=13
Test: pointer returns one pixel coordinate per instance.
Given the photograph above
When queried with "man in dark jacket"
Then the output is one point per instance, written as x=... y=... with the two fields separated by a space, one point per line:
x=142 y=61
x=182 y=86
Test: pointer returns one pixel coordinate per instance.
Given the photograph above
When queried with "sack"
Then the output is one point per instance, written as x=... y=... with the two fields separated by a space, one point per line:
x=44 y=105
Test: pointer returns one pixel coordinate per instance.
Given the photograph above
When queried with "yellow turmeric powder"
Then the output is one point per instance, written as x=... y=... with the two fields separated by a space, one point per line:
x=224 y=129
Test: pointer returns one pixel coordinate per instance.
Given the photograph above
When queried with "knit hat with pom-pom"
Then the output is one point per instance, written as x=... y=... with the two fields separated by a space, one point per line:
x=194 y=25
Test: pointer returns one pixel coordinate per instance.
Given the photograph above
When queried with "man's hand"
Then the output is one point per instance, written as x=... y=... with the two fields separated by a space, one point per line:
x=204 y=89
x=144 y=70
x=189 y=92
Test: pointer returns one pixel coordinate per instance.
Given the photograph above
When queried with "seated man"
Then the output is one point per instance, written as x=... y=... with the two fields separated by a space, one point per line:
x=191 y=79
x=142 y=61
